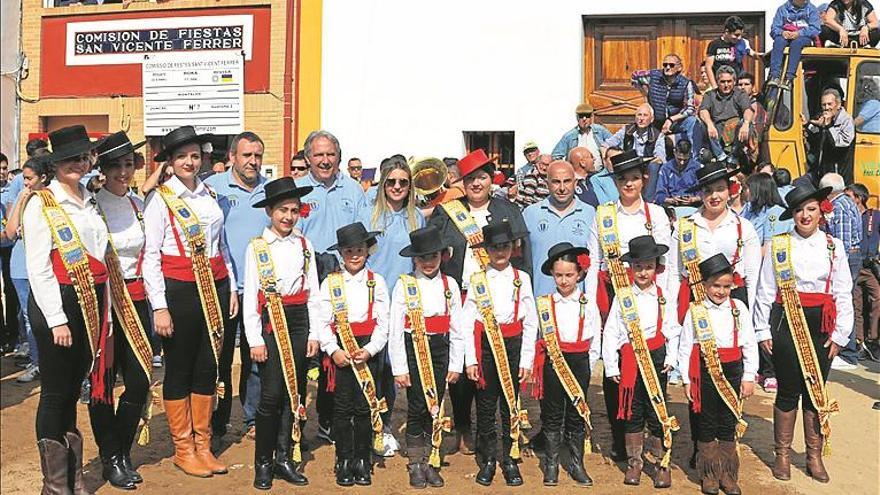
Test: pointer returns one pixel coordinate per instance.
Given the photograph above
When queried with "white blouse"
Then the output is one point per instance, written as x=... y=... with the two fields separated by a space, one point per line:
x=39 y=243
x=811 y=263
x=287 y=258
x=568 y=313
x=470 y=266
x=357 y=302
x=433 y=304
x=160 y=236
x=126 y=230
x=721 y=318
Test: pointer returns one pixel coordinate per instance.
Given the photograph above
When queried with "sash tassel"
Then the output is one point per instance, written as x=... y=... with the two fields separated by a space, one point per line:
x=330 y=369
x=821 y=300
x=726 y=354
x=629 y=371
x=538 y=369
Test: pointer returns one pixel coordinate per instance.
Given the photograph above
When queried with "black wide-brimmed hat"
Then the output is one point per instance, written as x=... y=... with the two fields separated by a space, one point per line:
x=800 y=195
x=642 y=248
x=426 y=240
x=281 y=189
x=713 y=265
x=352 y=235
x=627 y=160
x=712 y=172
x=499 y=232
x=114 y=146
x=68 y=142
x=558 y=251
x=179 y=137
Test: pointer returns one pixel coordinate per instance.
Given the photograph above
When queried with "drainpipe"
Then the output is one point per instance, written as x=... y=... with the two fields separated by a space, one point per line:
x=291 y=36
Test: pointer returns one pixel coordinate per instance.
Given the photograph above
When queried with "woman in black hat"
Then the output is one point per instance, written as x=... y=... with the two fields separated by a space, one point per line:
x=804 y=278
x=575 y=321
x=433 y=300
x=719 y=326
x=358 y=298
x=660 y=330
x=185 y=241
x=65 y=241
x=132 y=354
x=280 y=274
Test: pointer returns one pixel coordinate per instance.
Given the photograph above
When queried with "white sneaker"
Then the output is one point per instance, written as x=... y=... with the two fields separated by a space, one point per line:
x=324 y=434
x=842 y=365
x=32 y=373
x=674 y=377
x=22 y=351
x=157 y=361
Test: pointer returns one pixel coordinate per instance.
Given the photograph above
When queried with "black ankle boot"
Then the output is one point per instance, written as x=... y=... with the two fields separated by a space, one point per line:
x=128 y=415
x=362 y=470
x=114 y=472
x=344 y=476
x=510 y=471
x=416 y=475
x=263 y=474
x=551 y=458
x=487 y=472
x=575 y=466
x=284 y=467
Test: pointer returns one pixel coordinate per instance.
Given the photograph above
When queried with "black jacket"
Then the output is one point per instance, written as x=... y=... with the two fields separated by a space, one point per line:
x=498 y=208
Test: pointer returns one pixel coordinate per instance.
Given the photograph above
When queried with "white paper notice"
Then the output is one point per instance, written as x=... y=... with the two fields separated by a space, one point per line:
x=204 y=90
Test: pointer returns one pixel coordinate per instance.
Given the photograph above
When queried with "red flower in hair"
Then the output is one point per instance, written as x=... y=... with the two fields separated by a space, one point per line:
x=583 y=261
x=735 y=188
x=304 y=210
x=826 y=206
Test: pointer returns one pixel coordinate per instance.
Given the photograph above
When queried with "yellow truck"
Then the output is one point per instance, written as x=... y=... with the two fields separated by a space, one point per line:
x=854 y=71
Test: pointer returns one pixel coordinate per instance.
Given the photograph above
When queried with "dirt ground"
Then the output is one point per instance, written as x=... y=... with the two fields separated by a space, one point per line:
x=853 y=466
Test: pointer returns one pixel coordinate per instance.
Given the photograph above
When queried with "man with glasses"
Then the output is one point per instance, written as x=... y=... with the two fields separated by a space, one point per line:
x=298 y=166
x=585 y=134
x=671 y=95
x=355 y=169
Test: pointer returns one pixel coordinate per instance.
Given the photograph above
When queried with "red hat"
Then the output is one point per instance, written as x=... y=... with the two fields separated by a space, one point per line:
x=472 y=162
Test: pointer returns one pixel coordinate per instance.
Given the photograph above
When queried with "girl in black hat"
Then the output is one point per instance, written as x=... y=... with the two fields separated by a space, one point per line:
x=575 y=322
x=507 y=292
x=719 y=327
x=804 y=279
x=65 y=241
x=132 y=353
x=280 y=275
x=358 y=298
x=431 y=301
x=184 y=243
x=660 y=330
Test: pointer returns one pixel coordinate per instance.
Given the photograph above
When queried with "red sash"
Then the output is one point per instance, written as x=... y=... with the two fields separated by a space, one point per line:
x=629 y=366
x=181 y=268
x=96 y=266
x=508 y=330
x=726 y=354
x=358 y=329
x=822 y=300
x=438 y=324
x=578 y=346
x=136 y=289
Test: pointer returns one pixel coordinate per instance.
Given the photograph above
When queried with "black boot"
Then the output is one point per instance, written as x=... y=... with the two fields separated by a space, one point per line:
x=264 y=445
x=363 y=451
x=432 y=474
x=344 y=476
x=486 y=459
x=343 y=438
x=552 y=440
x=114 y=472
x=128 y=415
x=538 y=443
x=284 y=467
x=263 y=473
x=415 y=450
x=510 y=471
x=575 y=465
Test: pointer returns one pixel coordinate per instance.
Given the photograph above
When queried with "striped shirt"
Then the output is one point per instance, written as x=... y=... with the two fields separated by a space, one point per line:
x=846 y=222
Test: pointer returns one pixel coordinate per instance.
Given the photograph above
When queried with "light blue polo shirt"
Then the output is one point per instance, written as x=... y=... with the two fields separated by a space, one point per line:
x=604 y=186
x=242 y=222
x=9 y=195
x=17 y=261
x=387 y=261
x=547 y=228
x=331 y=208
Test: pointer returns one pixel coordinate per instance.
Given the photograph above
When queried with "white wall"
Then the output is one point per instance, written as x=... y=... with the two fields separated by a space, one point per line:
x=409 y=76
x=10 y=23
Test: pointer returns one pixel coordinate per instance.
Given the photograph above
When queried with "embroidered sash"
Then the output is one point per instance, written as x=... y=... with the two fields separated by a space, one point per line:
x=480 y=286
x=690 y=257
x=275 y=307
x=468 y=227
x=361 y=370
x=439 y=423
x=195 y=237
x=800 y=333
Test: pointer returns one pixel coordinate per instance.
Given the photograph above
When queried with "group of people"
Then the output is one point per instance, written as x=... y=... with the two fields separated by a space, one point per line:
x=374 y=296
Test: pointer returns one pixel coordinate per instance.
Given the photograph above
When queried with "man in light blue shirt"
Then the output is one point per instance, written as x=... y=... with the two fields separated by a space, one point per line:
x=558 y=218
x=237 y=189
x=604 y=186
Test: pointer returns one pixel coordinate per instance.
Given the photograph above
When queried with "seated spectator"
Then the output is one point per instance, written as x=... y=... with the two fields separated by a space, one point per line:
x=585 y=134
x=729 y=49
x=849 y=21
x=534 y=184
x=867 y=285
x=671 y=96
x=830 y=136
x=868 y=120
x=794 y=26
x=584 y=167
x=677 y=178
x=640 y=136
x=727 y=115
x=764 y=208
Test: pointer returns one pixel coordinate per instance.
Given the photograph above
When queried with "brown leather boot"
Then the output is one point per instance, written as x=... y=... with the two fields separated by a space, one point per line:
x=53 y=462
x=707 y=467
x=634 y=444
x=783 y=432
x=729 y=462
x=813 y=439
x=75 y=463
x=180 y=426
x=202 y=407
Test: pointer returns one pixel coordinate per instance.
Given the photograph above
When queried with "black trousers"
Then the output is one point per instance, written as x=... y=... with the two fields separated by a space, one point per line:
x=352 y=430
x=221 y=415
x=137 y=386
x=189 y=360
x=642 y=410
x=10 y=303
x=788 y=371
x=62 y=369
x=491 y=398
x=461 y=395
x=716 y=421
x=418 y=418
x=557 y=411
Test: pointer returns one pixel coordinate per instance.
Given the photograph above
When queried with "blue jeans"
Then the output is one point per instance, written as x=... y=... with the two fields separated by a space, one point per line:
x=691 y=128
x=23 y=290
x=794 y=55
x=252 y=399
x=850 y=353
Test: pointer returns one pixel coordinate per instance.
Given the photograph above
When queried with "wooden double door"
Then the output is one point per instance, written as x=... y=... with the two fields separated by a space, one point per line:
x=615 y=46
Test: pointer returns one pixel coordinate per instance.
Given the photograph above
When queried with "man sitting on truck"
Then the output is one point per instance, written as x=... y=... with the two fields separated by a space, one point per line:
x=727 y=114
x=830 y=136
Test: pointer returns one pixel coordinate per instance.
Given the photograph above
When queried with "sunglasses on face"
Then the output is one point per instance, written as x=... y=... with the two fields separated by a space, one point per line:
x=397 y=182
x=668 y=65
x=584 y=115
x=299 y=169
